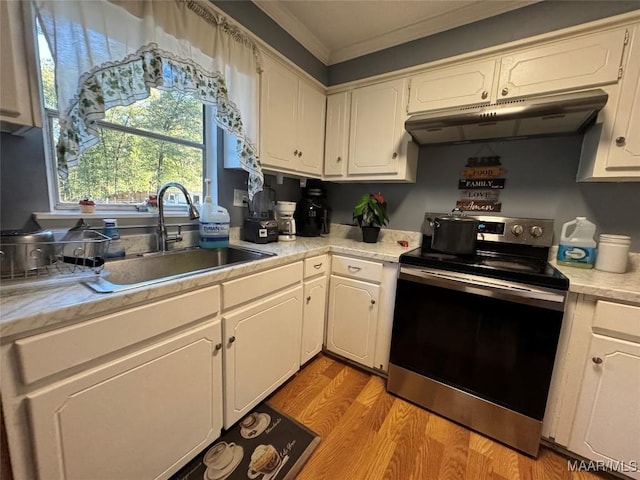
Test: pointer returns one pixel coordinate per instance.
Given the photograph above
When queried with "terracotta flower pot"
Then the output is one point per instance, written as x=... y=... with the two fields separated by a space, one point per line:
x=370 y=234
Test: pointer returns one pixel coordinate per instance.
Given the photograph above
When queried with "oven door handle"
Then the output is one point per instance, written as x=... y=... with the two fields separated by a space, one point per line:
x=476 y=285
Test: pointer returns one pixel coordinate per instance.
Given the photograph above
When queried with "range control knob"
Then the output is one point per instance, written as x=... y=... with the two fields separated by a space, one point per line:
x=535 y=231
x=517 y=230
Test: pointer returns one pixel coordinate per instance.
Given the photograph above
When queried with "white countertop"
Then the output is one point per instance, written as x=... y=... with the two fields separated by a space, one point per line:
x=39 y=310
x=614 y=286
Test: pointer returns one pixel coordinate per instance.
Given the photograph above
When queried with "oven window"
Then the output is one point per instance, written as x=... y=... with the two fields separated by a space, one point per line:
x=495 y=349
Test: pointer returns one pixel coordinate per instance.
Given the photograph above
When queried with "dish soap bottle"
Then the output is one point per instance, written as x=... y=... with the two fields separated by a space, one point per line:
x=110 y=229
x=214 y=223
x=579 y=249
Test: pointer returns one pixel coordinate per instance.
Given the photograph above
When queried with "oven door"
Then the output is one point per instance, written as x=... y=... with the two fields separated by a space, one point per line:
x=492 y=339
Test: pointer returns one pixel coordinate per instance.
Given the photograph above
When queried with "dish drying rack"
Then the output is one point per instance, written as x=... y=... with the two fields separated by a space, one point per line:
x=63 y=260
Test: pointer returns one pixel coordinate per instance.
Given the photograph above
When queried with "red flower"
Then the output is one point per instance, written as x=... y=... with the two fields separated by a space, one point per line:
x=379 y=198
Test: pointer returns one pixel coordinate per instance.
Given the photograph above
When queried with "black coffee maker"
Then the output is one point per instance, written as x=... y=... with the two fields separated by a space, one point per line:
x=312 y=215
x=261 y=226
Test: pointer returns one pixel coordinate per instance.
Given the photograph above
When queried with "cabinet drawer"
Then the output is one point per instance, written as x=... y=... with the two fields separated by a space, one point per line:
x=617 y=318
x=316 y=265
x=52 y=352
x=356 y=268
x=242 y=290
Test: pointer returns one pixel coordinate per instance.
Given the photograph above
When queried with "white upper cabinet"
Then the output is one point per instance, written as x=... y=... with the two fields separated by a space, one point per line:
x=336 y=149
x=586 y=61
x=377 y=128
x=582 y=62
x=19 y=98
x=611 y=148
x=292 y=119
x=465 y=84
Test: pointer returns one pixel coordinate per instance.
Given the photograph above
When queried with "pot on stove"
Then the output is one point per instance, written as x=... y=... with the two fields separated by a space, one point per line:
x=455 y=233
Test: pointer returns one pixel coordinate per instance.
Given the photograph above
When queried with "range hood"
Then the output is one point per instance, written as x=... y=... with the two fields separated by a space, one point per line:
x=536 y=116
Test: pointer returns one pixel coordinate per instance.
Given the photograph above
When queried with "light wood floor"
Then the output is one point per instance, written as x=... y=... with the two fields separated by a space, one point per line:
x=369 y=434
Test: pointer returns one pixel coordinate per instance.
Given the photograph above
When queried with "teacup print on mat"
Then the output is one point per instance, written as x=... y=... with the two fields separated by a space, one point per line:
x=265 y=444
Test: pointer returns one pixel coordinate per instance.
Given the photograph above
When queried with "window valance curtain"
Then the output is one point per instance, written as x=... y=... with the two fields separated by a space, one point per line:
x=110 y=53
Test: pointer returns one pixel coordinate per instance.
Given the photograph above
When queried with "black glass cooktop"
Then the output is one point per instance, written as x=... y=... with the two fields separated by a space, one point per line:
x=517 y=268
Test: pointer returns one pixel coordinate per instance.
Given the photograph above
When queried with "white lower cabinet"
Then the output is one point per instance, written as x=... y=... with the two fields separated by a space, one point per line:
x=132 y=394
x=137 y=417
x=313 y=319
x=594 y=408
x=353 y=319
x=261 y=350
x=607 y=421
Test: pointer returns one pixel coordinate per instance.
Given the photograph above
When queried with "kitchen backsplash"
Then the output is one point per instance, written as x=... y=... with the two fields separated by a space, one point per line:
x=540 y=183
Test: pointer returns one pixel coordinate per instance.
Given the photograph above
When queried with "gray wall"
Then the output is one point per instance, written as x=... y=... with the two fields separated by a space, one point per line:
x=23 y=179
x=539 y=18
x=525 y=22
x=540 y=183
x=23 y=172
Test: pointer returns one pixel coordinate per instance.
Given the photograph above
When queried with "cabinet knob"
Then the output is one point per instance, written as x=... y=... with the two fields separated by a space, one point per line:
x=485 y=94
x=218 y=346
x=373 y=302
x=300 y=153
x=395 y=155
x=596 y=360
x=505 y=91
x=232 y=339
x=339 y=159
x=295 y=153
x=621 y=141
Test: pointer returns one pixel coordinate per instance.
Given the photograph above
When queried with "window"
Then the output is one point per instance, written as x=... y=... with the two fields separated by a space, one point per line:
x=141 y=146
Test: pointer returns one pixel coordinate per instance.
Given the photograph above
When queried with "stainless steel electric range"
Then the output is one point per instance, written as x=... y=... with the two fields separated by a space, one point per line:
x=475 y=337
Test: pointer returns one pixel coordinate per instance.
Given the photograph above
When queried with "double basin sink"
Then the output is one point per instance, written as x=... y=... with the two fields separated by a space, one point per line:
x=147 y=269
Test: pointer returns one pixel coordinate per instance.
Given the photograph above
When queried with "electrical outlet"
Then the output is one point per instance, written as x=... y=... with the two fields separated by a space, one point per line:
x=240 y=197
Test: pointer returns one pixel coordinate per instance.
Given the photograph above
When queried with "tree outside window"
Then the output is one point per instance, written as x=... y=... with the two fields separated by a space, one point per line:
x=141 y=146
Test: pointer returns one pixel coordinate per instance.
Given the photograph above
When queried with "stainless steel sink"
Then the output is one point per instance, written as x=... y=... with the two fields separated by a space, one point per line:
x=132 y=272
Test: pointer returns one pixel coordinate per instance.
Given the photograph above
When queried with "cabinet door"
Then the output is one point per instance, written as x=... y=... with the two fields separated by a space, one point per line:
x=336 y=147
x=278 y=113
x=352 y=319
x=625 y=140
x=607 y=421
x=262 y=350
x=143 y=416
x=311 y=120
x=583 y=62
x=315 y=300
x=465 y=84
x=19 y=94
x=377 y=128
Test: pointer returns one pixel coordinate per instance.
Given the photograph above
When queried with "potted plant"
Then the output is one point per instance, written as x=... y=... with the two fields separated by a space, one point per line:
x=371 y=213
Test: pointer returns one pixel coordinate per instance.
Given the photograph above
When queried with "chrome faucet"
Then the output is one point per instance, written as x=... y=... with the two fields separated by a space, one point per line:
x=163 y=237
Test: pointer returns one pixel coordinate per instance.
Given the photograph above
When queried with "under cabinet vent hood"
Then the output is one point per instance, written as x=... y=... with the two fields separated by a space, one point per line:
x=545 y=115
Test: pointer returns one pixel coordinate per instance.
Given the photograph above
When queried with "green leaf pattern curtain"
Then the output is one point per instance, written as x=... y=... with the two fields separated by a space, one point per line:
x=110 y=53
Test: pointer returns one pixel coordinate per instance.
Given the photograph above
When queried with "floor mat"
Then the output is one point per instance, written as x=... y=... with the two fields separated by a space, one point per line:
x=265 y=445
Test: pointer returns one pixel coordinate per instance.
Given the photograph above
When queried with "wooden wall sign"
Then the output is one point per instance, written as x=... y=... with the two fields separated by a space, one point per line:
x=480 y=187
x=481 y=183
x=478 y=206
x=491 y=195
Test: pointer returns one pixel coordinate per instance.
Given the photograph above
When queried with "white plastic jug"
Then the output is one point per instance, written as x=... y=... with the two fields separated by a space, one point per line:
x=579 y=249
x=214 y=223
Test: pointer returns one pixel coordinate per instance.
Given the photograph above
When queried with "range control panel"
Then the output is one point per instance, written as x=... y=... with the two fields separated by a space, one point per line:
x=525 y=231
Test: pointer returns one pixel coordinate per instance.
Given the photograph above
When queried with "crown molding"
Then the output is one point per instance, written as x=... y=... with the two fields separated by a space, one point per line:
x=429 y=26
x=422 y=28
x=295 y=28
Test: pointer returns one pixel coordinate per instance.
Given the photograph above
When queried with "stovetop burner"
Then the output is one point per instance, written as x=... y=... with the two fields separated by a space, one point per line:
x=531 y=271
x=508 y=248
